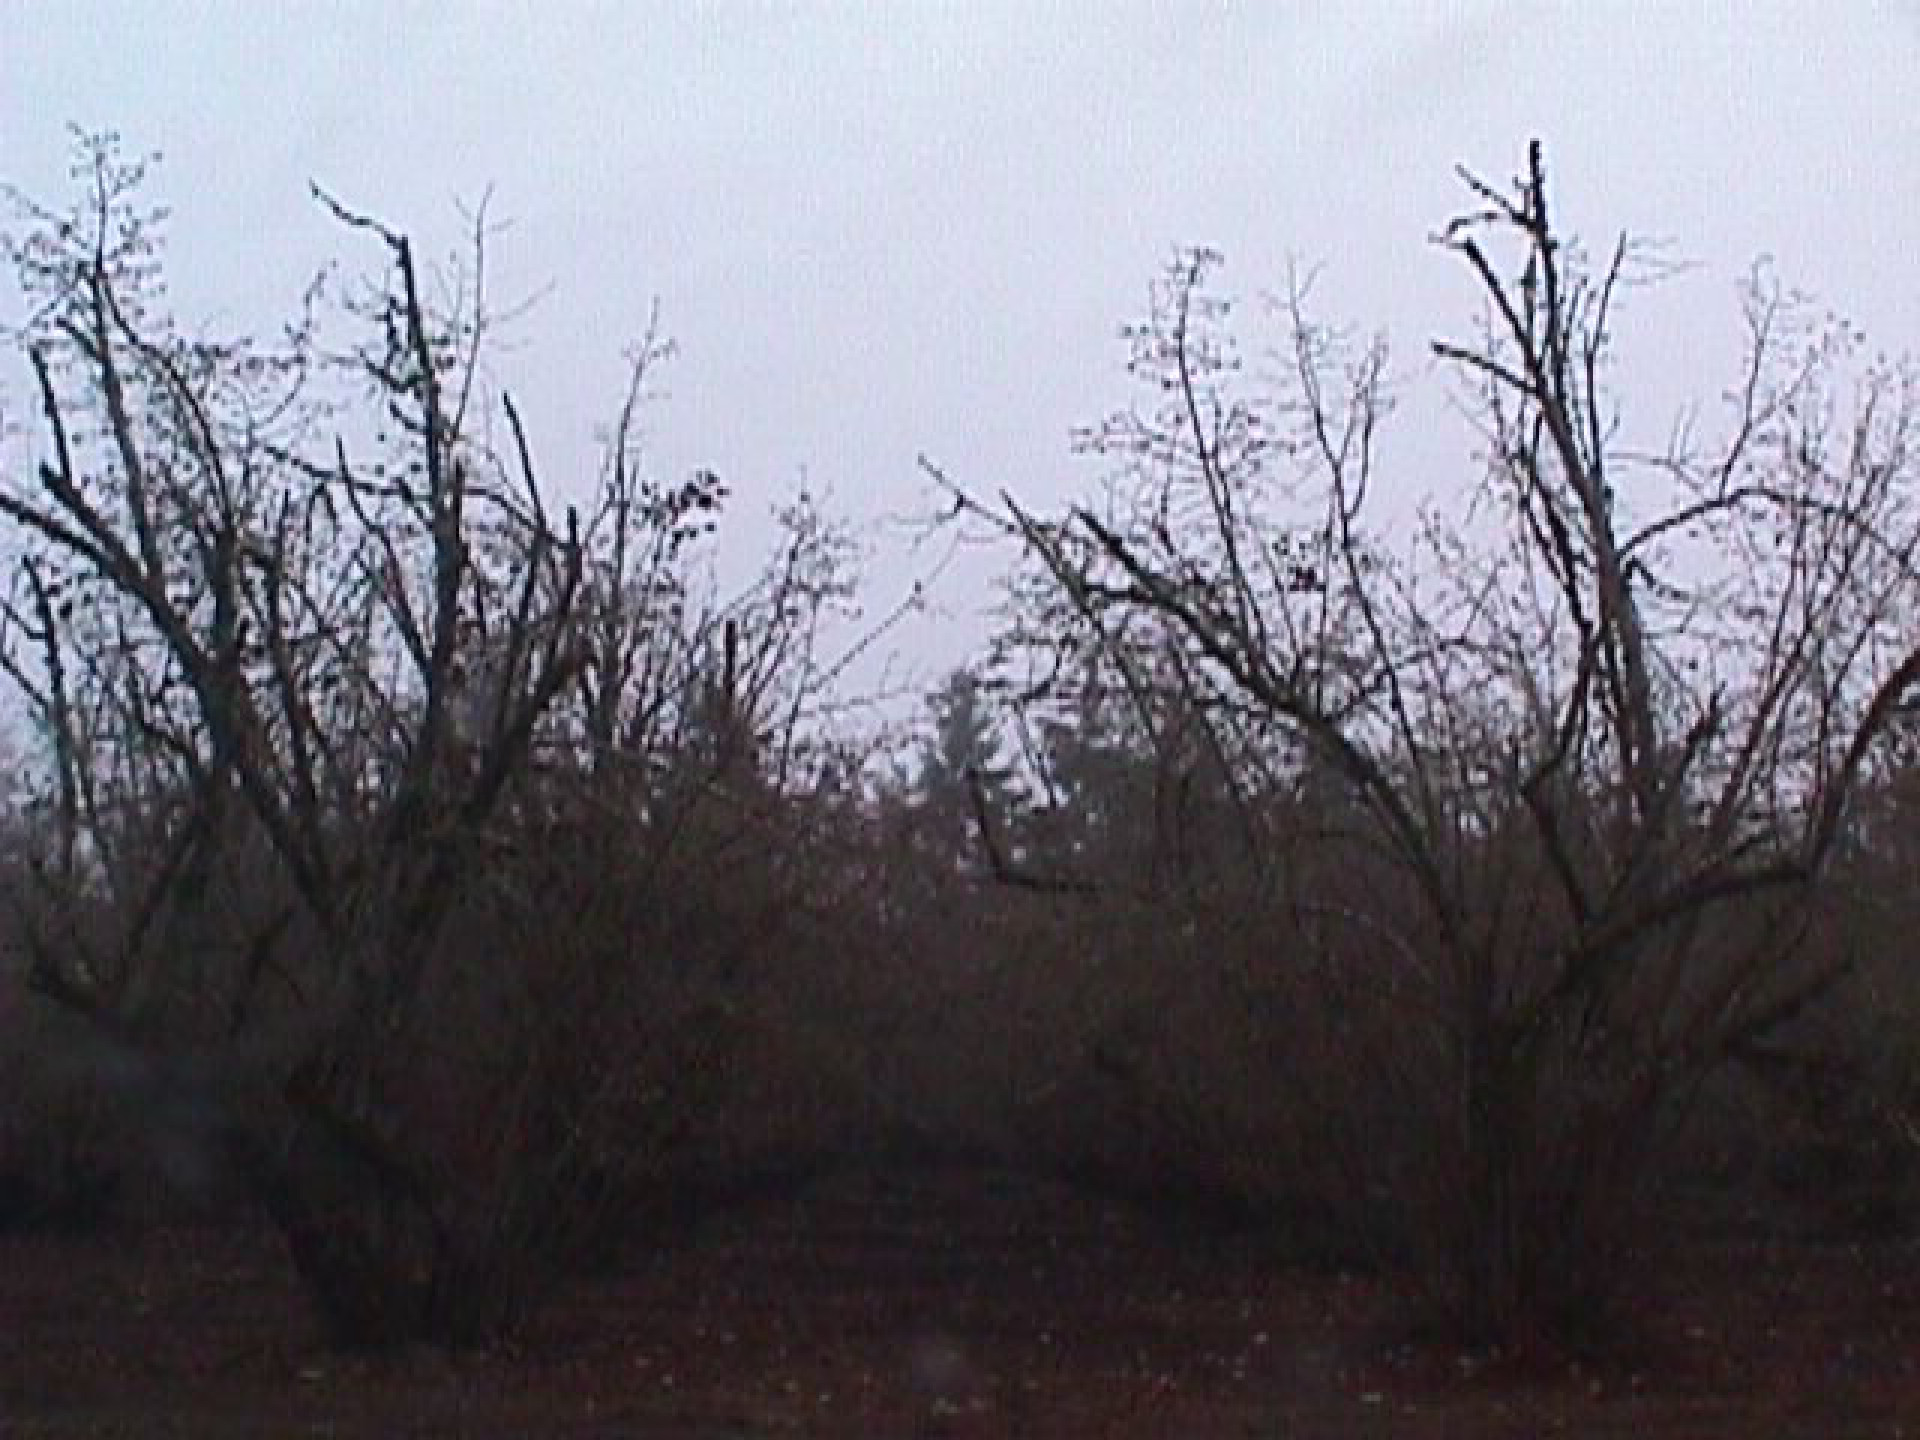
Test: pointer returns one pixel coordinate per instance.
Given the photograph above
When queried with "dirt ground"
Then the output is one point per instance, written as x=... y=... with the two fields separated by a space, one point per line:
x=945 y=1303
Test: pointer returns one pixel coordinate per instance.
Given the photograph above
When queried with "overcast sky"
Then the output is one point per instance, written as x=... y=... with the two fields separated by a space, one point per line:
x=883 y=229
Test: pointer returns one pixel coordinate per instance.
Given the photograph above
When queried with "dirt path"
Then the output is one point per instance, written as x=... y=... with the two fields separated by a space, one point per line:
x=942 y=1303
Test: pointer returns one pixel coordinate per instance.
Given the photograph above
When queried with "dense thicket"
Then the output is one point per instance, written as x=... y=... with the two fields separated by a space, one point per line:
x=449 y=875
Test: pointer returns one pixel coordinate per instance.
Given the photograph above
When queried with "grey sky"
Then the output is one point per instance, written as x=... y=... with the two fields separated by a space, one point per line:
x=883 y=229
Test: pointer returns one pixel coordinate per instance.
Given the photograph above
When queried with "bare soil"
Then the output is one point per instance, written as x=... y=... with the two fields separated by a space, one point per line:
x=947 y=1303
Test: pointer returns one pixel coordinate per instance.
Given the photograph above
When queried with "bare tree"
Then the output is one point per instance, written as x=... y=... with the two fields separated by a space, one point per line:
x=434 y=823
x=272 y=638
x=1594 y=736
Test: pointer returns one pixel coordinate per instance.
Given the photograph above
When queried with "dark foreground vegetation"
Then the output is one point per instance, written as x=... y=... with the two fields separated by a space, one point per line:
x=1487 y=929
